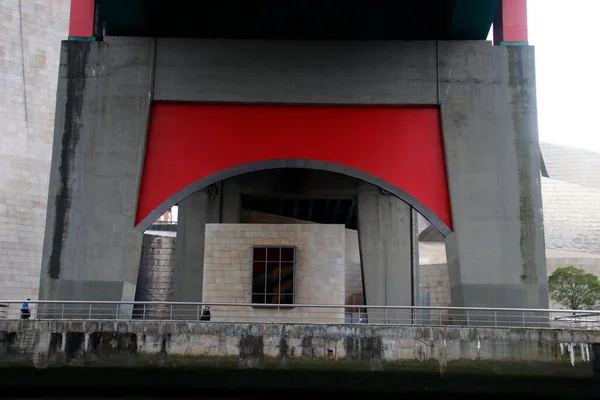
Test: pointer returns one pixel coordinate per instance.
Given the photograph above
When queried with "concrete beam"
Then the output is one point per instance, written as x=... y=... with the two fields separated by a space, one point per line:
x=91 y=248
x=289 y=183
x=384 y=234
x=296 y=72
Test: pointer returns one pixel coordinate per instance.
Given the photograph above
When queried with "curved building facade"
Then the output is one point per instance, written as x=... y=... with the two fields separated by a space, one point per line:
x=30 y=42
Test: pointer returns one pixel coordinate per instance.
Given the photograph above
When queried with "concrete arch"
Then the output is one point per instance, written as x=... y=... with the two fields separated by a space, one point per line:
x=293 y=163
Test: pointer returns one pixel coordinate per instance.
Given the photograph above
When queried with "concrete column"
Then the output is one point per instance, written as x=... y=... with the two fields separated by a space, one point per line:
x=195 y=212
x=496 y=253
x=231 y=202
x=91 y=248
x=384 y=232
x=415 y=258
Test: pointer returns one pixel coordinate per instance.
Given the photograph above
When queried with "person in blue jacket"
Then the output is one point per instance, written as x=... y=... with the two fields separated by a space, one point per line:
x=25 y=313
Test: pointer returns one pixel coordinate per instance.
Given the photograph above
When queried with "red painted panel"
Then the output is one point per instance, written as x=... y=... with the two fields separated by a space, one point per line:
x=401 y=145
x=514 y=20
x=81 y=23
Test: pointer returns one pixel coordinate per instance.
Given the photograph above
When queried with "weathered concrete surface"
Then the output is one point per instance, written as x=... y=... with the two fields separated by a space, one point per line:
x=496 y=254
x=220 y=203
x=91 y=251
x=308 y=72
x=195 y=212
x=486 y=95
x=440 y=351
x=385 y=243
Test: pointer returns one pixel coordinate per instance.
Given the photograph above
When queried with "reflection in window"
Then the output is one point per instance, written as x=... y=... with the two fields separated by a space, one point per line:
x=273 y=274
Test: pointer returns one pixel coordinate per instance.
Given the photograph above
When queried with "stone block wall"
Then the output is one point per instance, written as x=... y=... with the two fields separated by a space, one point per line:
x=30 y=42
x=319 y=274
x=155 y=278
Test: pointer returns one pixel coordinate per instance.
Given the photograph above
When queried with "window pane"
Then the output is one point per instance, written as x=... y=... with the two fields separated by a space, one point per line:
x=273 y=298
x=273 y=253
x=272 y=277
x=287 y=278
x=287 y=254
x=259 y=254
x=258 y=277
x=258 y=298
x=273 y=274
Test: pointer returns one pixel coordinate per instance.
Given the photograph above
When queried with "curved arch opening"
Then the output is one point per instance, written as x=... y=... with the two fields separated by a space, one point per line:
x=340 y=226
x=205 y=182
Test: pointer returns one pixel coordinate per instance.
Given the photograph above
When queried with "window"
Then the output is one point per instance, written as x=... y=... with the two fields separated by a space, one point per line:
x=273 y=274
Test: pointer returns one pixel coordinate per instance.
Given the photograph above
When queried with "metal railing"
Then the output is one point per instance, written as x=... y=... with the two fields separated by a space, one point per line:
x=306 y=313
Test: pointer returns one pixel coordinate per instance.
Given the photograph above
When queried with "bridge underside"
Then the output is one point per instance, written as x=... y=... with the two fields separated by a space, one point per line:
x=485 y=96
x=299 y=19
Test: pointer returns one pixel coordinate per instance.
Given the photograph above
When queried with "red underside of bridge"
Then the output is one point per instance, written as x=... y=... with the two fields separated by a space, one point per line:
x=189 y=142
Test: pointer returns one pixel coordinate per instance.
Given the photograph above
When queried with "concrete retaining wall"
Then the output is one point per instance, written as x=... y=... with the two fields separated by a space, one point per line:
x=521 y=352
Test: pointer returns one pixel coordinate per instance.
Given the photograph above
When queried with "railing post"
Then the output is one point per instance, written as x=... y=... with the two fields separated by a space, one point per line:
x=523 y=318
x=90 y=312
x=170 y=312
x=118 y=310
x=386 y=316
x=197 y=312
x=62 y=311
x=468 y=322
x=495 y=318
x=144 y=312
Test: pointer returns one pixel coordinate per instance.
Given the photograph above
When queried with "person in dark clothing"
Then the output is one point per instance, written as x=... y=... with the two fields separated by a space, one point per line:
x=25 y=313
x=205 y=314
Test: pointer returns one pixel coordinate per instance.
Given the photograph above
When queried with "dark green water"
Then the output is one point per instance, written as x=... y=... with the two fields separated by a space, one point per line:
x=261 y=384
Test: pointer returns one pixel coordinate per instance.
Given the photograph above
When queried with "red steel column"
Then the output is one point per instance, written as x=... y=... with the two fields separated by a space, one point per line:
x=510 y=26
x=81 y=22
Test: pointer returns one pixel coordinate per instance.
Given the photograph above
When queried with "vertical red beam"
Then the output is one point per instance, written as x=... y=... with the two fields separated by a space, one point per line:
x=81 y=22
x=510 y=27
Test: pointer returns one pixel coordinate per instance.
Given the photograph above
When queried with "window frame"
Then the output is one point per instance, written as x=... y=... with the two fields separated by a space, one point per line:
x=294 y=263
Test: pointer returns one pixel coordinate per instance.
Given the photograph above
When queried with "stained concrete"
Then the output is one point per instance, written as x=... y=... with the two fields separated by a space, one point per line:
x=385 y=244
x=395 y=349
x=90 y=250
x=486 y=95
x=496 y=252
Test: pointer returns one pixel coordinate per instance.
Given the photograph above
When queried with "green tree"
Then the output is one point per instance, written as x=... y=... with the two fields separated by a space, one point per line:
x=574 y=288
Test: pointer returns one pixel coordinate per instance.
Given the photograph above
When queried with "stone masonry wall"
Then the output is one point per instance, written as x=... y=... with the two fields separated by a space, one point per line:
x=319 y=275
x=395 y=349
x=31 y=32
x=155 y=277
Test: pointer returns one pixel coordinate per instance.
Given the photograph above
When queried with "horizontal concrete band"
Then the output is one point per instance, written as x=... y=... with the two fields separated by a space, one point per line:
x=296 y=72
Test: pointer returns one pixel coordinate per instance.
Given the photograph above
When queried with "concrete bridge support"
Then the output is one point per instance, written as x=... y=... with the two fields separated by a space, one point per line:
x=91 y=251
x=385 y=242
x=219 y=203
x=486 y=98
